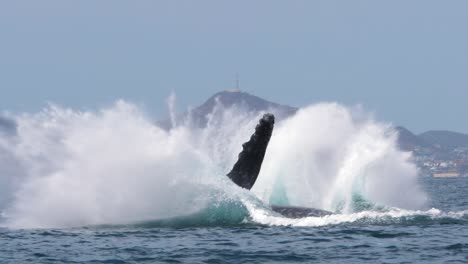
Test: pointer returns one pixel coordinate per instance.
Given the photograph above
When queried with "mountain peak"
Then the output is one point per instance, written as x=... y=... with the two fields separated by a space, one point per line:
x=229 y=98
x=242 y=99
x=409 y=141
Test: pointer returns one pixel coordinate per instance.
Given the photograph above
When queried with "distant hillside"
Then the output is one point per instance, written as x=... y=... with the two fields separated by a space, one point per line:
x=445 y=139
x=441 y=140
x=243 y=100
x=409 y=141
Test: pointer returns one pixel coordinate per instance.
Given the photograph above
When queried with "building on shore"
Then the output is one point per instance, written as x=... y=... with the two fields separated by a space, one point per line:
x=446 y=174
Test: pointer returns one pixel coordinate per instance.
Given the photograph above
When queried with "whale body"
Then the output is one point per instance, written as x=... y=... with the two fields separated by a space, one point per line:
x=246 y=169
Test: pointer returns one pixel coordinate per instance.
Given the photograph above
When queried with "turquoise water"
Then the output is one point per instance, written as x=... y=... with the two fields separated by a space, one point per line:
x=434 y=236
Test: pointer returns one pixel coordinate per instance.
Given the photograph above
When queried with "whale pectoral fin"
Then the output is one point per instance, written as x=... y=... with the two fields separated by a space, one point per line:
x=246 y=170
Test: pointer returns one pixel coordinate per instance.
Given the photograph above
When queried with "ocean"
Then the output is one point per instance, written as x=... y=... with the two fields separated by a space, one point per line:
x=425 y=237
x=110 y=186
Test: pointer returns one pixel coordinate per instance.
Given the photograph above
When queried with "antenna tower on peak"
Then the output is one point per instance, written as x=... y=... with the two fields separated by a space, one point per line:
x=237 y=83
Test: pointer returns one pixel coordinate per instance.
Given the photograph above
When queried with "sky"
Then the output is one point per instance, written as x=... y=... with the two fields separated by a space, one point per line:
x=404 y=61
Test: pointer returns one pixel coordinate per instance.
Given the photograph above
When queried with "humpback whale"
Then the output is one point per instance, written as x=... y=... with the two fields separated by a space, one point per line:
x=246 y=169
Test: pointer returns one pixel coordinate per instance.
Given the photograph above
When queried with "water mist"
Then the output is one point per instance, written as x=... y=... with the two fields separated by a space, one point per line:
x=66 y=168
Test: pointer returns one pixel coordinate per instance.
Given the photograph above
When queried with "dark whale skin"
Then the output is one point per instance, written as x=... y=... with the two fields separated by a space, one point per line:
x=246 y=170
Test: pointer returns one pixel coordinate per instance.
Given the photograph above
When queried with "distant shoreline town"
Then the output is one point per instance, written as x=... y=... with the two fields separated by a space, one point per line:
x=440 y=154
x=453 y=164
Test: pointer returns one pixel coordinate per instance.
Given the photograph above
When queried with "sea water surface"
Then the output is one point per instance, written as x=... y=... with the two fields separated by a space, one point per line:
x=418 y=238
x=110 y=186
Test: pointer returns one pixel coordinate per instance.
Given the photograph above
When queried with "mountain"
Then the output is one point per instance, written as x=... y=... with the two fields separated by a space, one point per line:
x=445 y=139
x=435 y=139
x=409 y=141
x=243 y=100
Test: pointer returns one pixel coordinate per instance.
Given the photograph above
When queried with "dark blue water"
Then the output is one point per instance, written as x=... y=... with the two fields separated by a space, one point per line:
x=415 y=238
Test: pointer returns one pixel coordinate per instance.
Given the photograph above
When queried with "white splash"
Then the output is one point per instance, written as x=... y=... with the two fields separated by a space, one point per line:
x=67 y=168
x=393 y=215
x=327 y=155
x=171 y=103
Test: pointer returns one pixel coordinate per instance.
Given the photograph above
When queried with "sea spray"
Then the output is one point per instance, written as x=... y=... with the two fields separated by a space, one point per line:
x=327 y=155
x=171 y=104
x=115 y=166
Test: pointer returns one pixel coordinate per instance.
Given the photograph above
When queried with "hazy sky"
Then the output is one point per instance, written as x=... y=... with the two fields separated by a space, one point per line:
x=407 y=61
